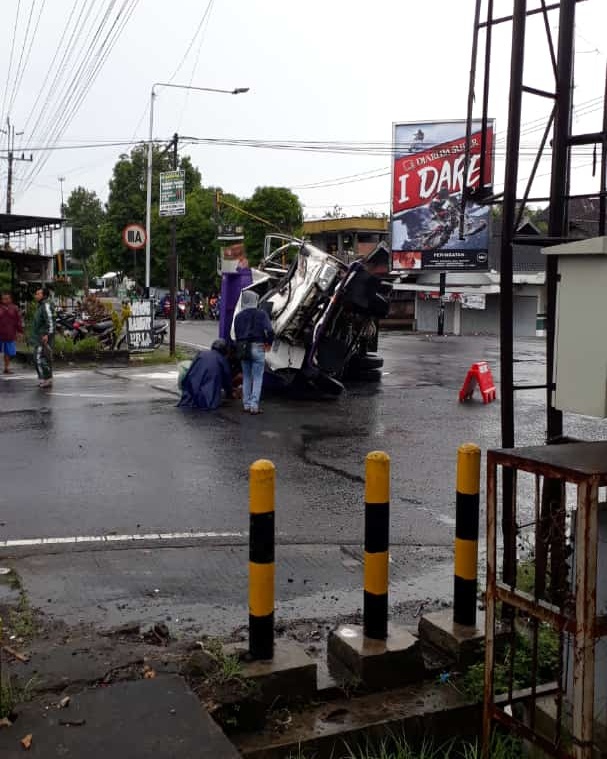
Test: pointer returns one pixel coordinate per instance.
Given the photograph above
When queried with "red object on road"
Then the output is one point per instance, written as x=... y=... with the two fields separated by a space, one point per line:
x=478 y=374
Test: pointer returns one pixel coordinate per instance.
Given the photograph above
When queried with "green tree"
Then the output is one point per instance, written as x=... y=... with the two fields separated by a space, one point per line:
x=276 y=209
x=84 y=213
x=126 y=204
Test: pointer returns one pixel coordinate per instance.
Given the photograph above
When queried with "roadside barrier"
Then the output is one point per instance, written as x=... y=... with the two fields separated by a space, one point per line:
x=466 y=534
x=377 y=538
x=261 y=559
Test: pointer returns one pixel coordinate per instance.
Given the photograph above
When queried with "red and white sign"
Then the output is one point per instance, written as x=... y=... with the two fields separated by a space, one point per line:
x=478 y=374
x=134 y=237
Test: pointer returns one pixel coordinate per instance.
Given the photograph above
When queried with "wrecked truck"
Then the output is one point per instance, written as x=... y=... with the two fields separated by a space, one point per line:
x=324 y=312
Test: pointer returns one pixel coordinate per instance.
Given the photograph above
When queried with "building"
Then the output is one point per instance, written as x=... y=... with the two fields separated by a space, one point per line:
x=473 y=298
x=26 y=242
x=350 y=237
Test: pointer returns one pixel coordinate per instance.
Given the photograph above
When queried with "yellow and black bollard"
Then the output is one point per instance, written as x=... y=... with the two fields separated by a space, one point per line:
x=466 y=534
x=377 y=537
x=261 y=559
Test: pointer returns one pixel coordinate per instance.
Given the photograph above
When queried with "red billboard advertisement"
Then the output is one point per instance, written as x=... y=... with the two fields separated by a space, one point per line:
x=428 y=179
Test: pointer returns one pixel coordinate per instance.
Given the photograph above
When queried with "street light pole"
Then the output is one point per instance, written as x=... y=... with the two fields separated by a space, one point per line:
x=148 y=205
x=148 y=198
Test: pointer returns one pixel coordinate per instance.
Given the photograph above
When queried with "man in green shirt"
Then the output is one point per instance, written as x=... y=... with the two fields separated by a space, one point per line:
x=42 y=336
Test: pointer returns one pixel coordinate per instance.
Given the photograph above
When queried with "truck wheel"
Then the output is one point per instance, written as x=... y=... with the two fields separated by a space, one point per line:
x=365 y=362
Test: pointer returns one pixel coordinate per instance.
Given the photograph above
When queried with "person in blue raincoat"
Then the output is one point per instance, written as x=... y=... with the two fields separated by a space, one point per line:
x=206 y=378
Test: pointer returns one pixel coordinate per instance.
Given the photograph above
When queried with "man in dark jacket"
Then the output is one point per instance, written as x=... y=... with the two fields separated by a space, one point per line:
x=10 y=327
x=206 y=378
x=42 y=337
x=253 y=331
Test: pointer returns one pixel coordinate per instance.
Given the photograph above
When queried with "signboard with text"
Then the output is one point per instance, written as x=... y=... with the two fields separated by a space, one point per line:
x=134 y=236
x=172 y=193
x=140 y=325
x=427 y=187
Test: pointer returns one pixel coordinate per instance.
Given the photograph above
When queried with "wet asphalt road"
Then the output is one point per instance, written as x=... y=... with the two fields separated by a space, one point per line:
x=107 y=453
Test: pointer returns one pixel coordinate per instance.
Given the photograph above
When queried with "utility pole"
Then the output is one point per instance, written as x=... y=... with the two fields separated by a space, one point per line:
x=11 y=158
x=173 y=265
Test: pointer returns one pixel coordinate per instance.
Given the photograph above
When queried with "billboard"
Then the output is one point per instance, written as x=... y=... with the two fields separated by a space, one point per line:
x=427 y=184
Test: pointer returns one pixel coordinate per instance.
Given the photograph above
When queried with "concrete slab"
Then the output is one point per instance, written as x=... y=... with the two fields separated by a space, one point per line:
x=158 y=718
x=379 y=664
x=290 y=675
x=463 y=644
x=344 y=726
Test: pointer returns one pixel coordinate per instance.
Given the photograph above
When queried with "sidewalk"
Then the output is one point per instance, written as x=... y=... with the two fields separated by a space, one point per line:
x=140 y=719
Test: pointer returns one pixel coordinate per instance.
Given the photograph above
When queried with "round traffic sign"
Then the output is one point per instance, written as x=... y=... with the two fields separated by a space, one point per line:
x=133 y=236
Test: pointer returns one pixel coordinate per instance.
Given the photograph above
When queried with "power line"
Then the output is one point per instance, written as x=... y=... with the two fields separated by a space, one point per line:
x=205 y=17
x=192 y=41
x=50 y=68
x=10 y=61
x=21 y=69
x=88 y=72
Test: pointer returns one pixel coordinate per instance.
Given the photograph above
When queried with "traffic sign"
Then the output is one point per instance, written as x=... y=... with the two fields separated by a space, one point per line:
x=133 y=236
x=172 y=193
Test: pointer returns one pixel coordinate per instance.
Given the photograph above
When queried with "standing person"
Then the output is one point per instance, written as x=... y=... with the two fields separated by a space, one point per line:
x=208 y=375
x=43 y=333
x=254 y=333
x=10 y=327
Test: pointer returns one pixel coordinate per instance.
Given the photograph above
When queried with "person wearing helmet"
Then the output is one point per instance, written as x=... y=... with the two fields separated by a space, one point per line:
x=208 y=375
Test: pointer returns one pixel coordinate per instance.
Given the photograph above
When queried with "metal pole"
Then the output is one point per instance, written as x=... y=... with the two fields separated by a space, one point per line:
x=377 y=545
x=506 y=277
x=603 y=184
x=467 y=500
x=558 y=225
x=9 y=178
x=262 y=475
x=441 y=309
x=148 y=198
x=173 y=267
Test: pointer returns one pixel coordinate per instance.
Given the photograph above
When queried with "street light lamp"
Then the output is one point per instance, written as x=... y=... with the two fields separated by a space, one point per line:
x=148 y=208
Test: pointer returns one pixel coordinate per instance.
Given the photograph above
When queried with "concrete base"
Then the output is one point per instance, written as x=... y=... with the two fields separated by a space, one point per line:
x=378 y=663
x=290 y=675
x=463 y=644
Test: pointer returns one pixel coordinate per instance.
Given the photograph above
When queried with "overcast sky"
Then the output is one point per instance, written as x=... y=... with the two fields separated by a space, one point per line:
x=318 y=70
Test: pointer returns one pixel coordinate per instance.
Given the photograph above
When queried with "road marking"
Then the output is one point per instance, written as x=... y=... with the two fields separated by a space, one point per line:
x=88 y=395
x=79 y=539
x=194 y=345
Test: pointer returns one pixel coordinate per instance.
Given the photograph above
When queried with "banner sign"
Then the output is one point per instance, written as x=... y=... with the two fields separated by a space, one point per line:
x=172 y=193
x=140 y=325
x=427 y=185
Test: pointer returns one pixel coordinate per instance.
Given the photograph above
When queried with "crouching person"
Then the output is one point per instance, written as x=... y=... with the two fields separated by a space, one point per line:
x=208 y=375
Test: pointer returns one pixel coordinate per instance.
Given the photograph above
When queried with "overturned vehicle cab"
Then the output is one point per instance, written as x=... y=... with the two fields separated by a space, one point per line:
x=324 y=313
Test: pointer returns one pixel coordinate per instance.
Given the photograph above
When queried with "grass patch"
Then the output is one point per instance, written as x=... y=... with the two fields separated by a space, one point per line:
x=229 y=667
x=21 y=620
x=396 y=747
x=13 y=693
x=520 y=662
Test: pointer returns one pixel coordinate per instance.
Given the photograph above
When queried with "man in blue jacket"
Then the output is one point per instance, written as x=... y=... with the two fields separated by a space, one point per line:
x=206 y=378
x=253 y=331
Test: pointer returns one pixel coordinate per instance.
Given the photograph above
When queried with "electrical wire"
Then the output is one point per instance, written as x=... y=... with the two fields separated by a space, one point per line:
x=10 y=62
x=50 y=68
x=87 y=73
x=205 y=21
x=192 y=41
x=21 y=69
